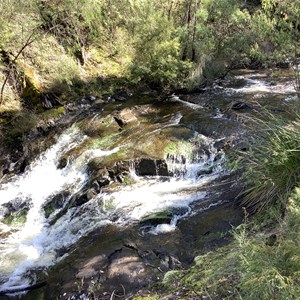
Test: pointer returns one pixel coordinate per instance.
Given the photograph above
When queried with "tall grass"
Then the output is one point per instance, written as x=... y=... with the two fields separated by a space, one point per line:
x=272 y=166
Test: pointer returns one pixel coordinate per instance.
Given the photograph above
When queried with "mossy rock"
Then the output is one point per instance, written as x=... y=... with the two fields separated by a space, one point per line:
x=100 y=126
x=55 y=203
x=52 y=113
x=181 y=133
x=156 y=218
x=16 y=218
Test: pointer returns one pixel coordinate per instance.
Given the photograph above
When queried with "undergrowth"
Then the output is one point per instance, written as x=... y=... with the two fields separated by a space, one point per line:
x=273 y=166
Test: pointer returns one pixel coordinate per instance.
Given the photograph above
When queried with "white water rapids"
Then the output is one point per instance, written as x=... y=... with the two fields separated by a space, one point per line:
x=35 y=244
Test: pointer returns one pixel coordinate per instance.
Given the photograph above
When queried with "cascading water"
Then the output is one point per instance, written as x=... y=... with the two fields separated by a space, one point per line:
x=36 y=244
x=33 y=244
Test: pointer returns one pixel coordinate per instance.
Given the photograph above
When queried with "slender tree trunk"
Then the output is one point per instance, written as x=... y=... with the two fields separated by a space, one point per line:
x=28 y=42
x=193 y=58
x=187 y=25
x=170 y=9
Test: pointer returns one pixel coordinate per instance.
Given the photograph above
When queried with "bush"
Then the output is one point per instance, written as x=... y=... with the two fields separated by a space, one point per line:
x=272 y=167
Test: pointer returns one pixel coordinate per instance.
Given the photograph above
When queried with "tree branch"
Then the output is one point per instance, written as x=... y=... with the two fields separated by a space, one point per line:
x=28 y=42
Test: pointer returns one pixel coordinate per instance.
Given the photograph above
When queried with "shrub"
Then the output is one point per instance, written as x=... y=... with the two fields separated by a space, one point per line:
x=272 y=167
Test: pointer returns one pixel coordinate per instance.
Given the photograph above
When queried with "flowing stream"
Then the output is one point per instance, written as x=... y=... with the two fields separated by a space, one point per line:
x=37 y=243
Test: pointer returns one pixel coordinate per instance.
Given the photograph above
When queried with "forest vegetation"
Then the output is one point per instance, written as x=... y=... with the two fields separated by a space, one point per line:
x=64 y=50
x=71 y=48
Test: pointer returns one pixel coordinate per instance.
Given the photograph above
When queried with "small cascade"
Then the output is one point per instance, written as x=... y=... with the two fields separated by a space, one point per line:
x=262 y=86
x=43 y=240
x=33 y=244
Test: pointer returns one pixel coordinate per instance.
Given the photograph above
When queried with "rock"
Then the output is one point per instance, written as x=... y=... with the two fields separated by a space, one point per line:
x=128 y=269
x=161 y=217
x=151 y=167
x=118 y=169
x=120 y=96
x=49 y=100
x=55 y=203
x=15 y=212
x=91 y=193
x=102 y=177
x=62 y=162
x=89 y=98
x=222 y=144
x=92 y=267
x=205 y=171
x=126 y=116
x=240 y=106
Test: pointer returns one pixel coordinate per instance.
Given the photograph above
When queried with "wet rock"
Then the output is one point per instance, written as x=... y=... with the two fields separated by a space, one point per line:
x=55 y=203
x=128 y=269
x=118 y=169
x=162 y=217
x=239 y=105
x=126 y=116
x=222 y=144
x=120 y=96
x=92 y=267
x=15 y=212
x=83 y=197
x=102 y=177
x=205 y=171
x=16 y=205
x=62 y=162
x=89 y=99
x=151 y=167
x=49 y=100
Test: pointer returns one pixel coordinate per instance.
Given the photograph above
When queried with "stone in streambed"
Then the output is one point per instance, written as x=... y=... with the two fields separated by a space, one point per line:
x=55 y=203
x=156 y=218
x=151 y=167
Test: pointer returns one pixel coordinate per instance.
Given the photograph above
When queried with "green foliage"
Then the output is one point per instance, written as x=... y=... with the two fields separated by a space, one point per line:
x=273 y=165
x=157 y=49
x=275 y=31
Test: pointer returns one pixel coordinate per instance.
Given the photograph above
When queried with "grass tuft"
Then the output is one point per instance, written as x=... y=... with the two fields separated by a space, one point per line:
x=272 y=167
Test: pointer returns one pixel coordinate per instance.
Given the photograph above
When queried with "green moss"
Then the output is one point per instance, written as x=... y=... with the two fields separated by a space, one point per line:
x=106 y=142
x=53 y=113
x=122 y=154
x=179 y=148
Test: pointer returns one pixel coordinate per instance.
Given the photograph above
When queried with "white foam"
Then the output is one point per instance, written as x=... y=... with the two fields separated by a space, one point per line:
x=194 y=106
x=35 y=243
x=260 y=86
